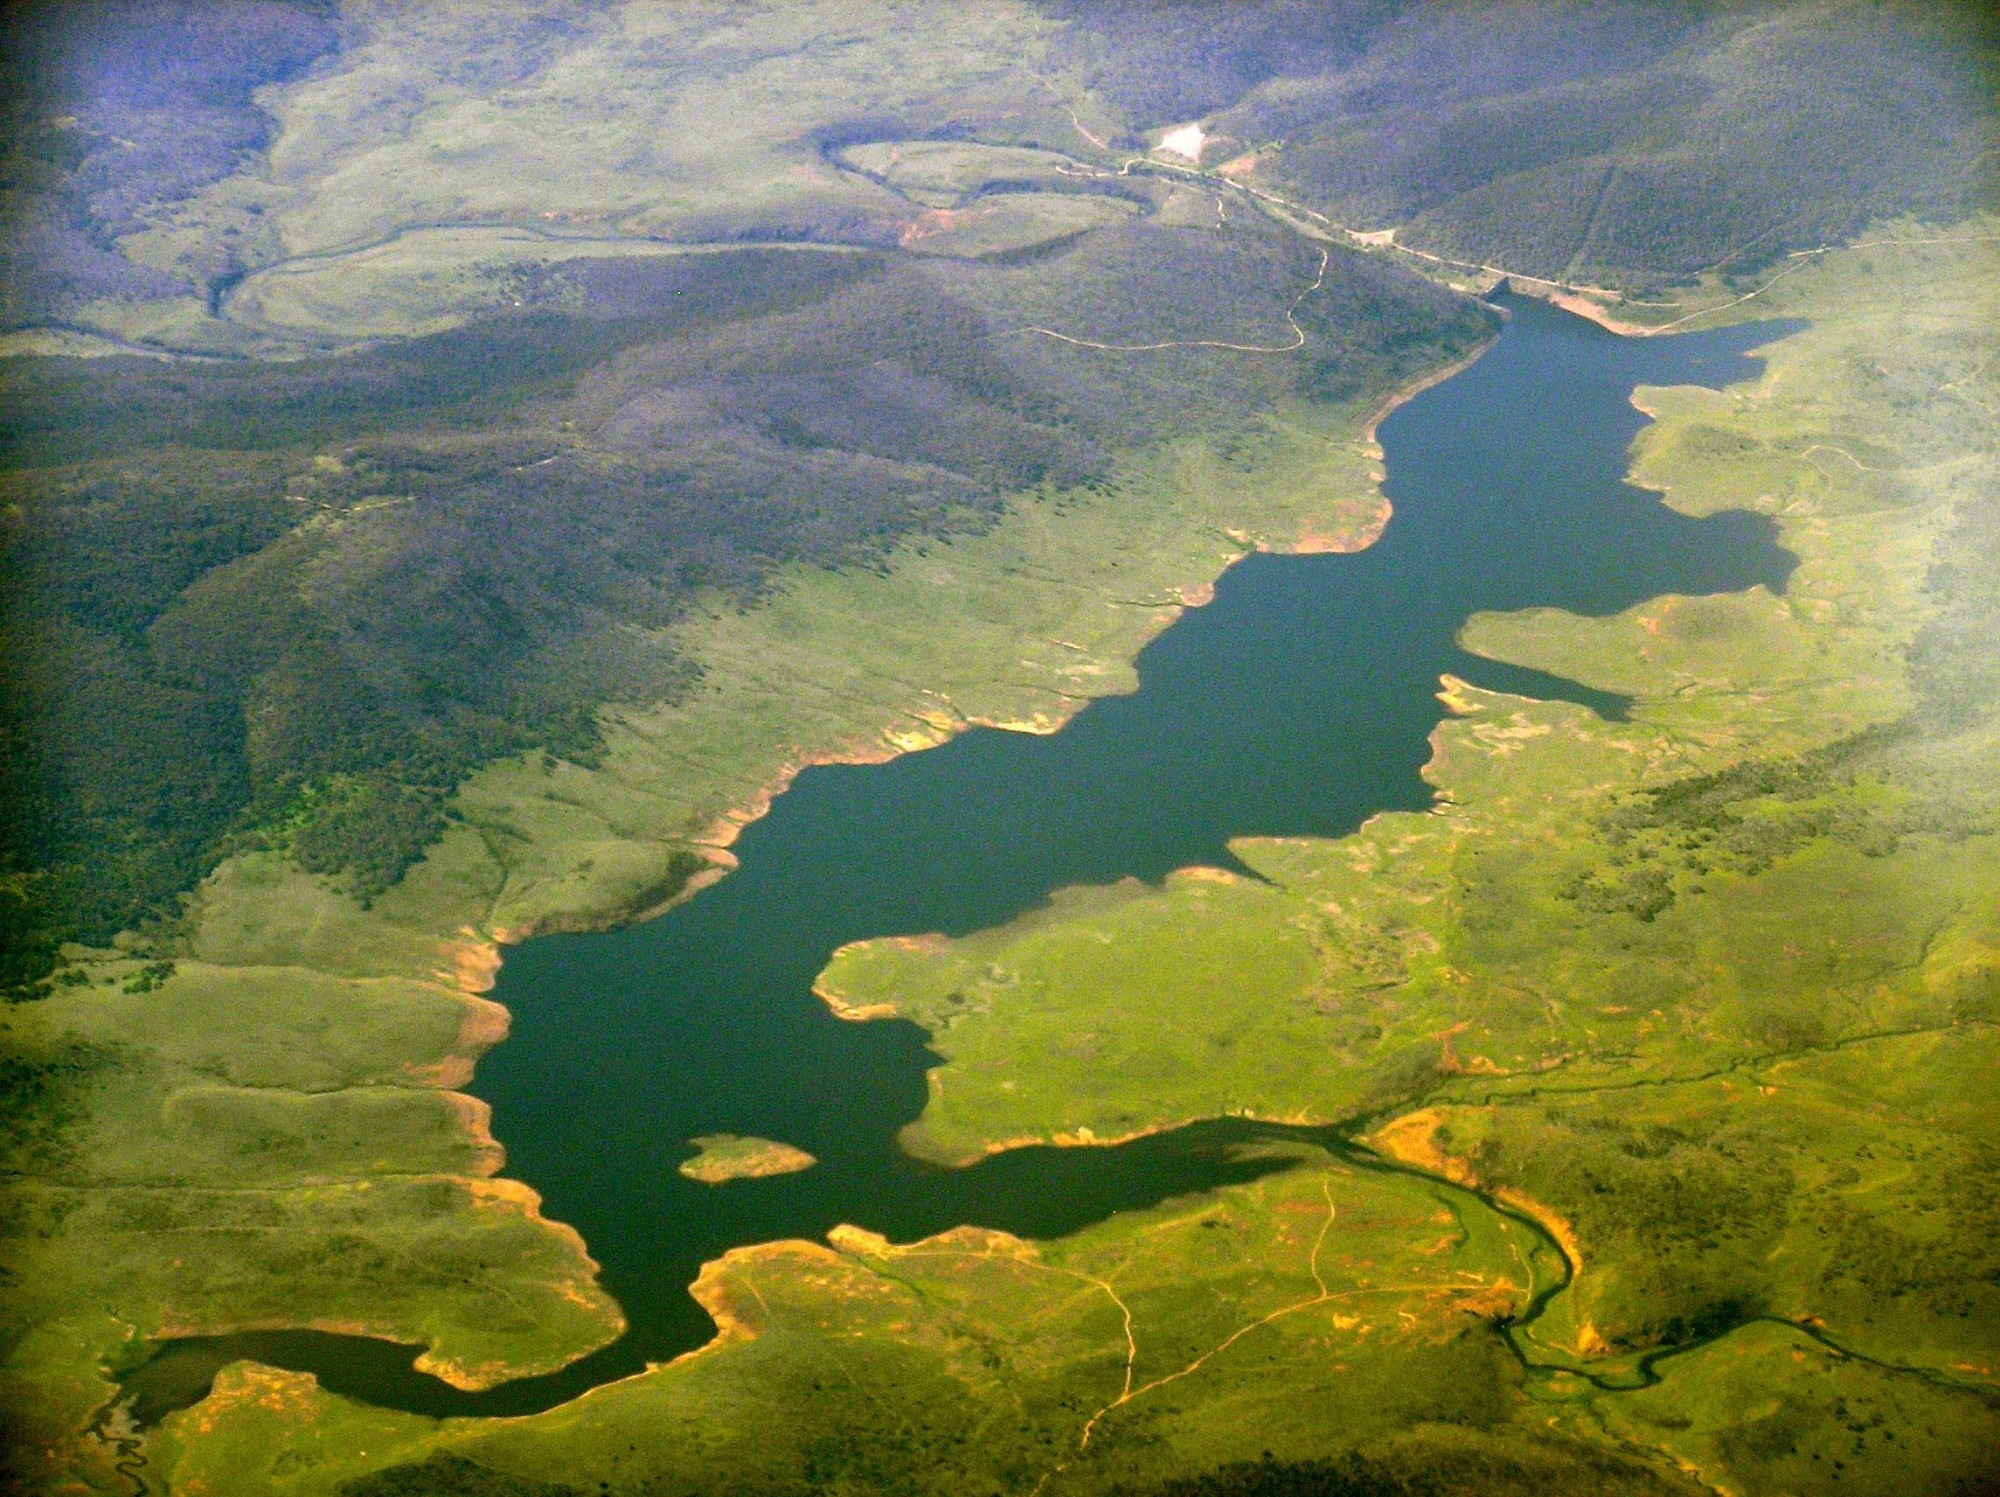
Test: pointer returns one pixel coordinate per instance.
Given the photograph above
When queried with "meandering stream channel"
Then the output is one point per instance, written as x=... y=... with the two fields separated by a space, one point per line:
x=1298 y=703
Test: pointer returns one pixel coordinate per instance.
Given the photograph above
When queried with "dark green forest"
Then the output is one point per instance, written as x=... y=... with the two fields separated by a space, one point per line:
x=296 y=603
x=1458 y=1473
x=451 y=1476
x=1640 y=145
x=1627 y=144
x=402 y=564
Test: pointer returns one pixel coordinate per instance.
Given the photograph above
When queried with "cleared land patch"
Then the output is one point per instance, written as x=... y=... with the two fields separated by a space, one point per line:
x=425 y=281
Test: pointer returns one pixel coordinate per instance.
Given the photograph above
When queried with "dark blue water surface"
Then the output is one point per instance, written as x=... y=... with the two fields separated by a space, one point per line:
x=1298 y=703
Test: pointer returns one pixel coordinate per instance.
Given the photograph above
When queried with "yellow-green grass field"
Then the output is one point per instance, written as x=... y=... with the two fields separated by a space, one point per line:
x=309 y=1043
x=1711 y=993
x=1263 y=1318
x=725 y=1156
x=1736 y=1101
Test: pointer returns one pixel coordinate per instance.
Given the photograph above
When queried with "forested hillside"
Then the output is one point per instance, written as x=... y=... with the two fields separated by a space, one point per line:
x=1620 y=144
x=295 y=604
x=1616 y=157
x=297 y=600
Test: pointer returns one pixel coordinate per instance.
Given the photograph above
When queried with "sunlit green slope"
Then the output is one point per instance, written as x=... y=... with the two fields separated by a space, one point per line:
x=533 y=551
x=1752 y=1113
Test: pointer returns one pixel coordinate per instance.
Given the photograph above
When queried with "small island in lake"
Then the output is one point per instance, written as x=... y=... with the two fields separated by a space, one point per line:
x=727 y=1156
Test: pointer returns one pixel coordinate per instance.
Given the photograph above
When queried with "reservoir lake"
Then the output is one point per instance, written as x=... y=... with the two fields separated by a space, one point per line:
x=1298 y=703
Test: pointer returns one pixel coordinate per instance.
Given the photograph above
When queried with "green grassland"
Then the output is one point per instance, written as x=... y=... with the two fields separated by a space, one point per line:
x=974 y=1362
x=259 y=1127
x=1011 y=223
x=726 y=1156
x=1715 y=986
x=419 y=282
x=645 y=122
x=335 y=644
x=1733 y=1122
x=339 y=1185
x=948 y=174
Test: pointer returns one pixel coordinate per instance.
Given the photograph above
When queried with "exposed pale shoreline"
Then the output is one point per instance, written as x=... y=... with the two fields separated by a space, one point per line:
x=1573 y=301
x=475 y=959
x=477 y=1378
x=1584 y=307
x=729 y=1156
x=721 y=834
x=1412 y=390
x=1412 y=1139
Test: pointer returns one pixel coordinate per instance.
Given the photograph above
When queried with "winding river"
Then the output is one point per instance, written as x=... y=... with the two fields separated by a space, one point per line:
x=1298 y=703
